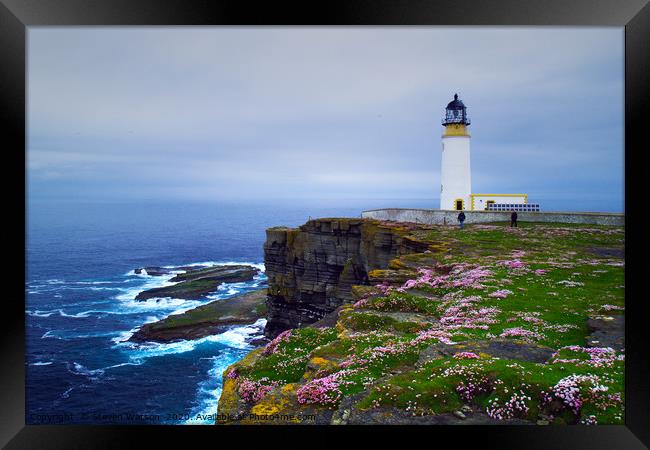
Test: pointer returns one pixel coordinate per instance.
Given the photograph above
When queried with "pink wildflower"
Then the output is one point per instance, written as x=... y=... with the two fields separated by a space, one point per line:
x=272 y=346
x=513 y=264
x=612 y=308
x=254 y=391
x=521 y=332
x=514 y=407
x=502 y=293
x=323 y=391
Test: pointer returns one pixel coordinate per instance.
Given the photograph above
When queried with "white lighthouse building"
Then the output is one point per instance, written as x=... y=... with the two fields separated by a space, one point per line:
x=455 y=172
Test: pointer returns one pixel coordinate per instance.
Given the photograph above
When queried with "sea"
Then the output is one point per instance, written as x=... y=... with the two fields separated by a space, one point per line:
x=80 y=307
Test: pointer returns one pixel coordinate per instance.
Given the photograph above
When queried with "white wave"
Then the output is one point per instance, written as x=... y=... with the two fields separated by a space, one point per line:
x=60 y=312
x=83 y=288
x=38 y=313
x=121 y=365
x=162 y=304
x=91 y=374
x=223 y=291
x=124 y=336
x=80 y=369
x=152 y=282
x=131 y=273
x=50 y=335
x=238 y=337
x=47 y=363
x=59 y=288
x=209 y=391
x=66 y=394
x=94 y=288
x=140 y=352
x=92 y=312
x=70 y=336
x=143 y=274
x=82 y=314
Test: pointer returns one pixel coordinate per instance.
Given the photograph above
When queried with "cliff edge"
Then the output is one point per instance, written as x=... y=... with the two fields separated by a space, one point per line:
x=311 y=269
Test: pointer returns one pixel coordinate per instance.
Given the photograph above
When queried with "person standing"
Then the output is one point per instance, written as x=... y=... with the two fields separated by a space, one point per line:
x=461 y=219
x=513 y=219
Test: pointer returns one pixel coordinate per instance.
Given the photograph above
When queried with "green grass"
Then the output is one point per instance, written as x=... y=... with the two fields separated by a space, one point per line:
x=431 y=389
x=369 y=321
x=290 y=359
x=405 y=302
x=475 y=241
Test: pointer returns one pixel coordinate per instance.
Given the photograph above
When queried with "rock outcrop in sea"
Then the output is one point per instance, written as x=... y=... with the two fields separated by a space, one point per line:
x=197 y=282
x=212 y=318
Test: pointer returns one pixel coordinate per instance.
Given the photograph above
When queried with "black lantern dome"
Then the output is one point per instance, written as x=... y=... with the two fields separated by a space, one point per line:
x=456 y=113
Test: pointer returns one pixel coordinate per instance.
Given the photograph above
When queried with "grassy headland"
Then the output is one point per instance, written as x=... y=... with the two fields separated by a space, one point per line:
x=492 y=324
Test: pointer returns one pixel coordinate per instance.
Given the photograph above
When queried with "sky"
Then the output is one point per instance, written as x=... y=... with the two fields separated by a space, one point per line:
x=280 y=113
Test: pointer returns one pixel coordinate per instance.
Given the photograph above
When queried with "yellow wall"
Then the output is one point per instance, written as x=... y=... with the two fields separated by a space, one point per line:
x=456 y=129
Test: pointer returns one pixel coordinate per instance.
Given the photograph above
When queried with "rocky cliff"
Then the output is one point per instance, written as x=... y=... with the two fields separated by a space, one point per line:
x=311 y=269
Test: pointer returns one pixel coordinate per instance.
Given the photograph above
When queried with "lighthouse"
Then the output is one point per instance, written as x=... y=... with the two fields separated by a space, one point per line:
x=455 y=175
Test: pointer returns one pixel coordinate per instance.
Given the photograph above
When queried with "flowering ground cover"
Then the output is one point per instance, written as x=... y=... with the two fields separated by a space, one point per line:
x=497 y=323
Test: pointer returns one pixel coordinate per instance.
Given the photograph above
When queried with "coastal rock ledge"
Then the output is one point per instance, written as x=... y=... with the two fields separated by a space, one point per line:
x=311 y=269
x=211 y=318
x=197 y=282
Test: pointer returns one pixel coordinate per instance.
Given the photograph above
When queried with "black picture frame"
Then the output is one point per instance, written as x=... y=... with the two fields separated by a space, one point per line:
x=16 y=15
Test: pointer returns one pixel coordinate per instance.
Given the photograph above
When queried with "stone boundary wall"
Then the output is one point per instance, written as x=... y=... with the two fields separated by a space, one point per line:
x=437 y=216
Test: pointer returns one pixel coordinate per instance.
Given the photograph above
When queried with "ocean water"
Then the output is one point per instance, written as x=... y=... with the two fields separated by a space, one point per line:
x=80 y=307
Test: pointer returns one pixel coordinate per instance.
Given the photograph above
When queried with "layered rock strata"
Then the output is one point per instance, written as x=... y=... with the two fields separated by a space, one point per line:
x=311 y=269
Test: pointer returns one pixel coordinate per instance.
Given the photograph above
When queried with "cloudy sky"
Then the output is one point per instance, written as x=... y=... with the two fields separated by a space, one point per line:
x=280 y=113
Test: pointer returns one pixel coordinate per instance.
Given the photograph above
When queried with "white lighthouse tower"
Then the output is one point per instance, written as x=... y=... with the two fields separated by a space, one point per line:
x=455 y=175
